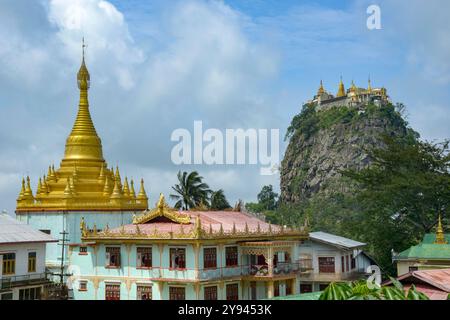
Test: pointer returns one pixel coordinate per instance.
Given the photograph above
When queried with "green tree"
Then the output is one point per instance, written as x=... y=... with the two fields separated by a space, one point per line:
x=268 y=198
x=359 y=290
x=219 y=201
x=191 y=191
x=400 y=195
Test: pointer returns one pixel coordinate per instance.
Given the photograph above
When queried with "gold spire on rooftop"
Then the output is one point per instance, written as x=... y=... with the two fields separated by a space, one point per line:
x=369 y=86
x=321 y=89
x=83 y=181
x=83 y=142
x=440 y=236
x=341 y=90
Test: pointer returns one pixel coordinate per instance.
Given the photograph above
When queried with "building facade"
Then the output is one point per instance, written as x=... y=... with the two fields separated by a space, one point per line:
x=203 y=255
x=334 y=258
x=22 y=260
x=82 y=186
x=432 y=253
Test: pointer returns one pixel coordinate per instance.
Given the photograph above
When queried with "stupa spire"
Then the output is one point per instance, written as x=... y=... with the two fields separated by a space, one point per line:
x=321 y=90
x=83 y=142
x=440 y=236
x=341 y=90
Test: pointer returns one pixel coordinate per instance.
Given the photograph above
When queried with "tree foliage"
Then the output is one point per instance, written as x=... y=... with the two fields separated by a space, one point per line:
x=191 y=191
x=218 y=201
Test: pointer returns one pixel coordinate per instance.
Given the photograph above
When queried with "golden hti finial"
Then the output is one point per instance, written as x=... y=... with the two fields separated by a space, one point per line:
x=161 y=203
x=126 y=189
x=142 y=196
x=353 y=87
x=118 y=178
x=321 y=90
x=132 y=192
x=22 y=191
x=107 y=188
x=117 y=191
x=68 y=190
x=83 y=142
x=440 y=235
x=28 y=194
x=369 y=86
x=341 y=90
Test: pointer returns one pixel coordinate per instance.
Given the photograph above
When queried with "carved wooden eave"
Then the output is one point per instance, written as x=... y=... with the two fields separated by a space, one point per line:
x=162 y=210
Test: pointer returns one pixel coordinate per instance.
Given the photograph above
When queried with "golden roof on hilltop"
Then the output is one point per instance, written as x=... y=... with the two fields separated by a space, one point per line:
x=83 y=181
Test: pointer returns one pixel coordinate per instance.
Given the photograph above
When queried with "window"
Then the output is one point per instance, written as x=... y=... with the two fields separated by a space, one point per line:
x=353 y=261
x=305 y=287
x=413 y=268
x=209 y=258
x=112 y=292
x=323 y=286
x=31 y=261
x=144 y=257
x=83 y=285
x=177 y=293
x=6 y=296
x=82 y=250
x=231 y=256
x=347 y=264
x=177 y=258
x=9 y=263
x=342 y=264
x=232 y=291
x=210 y=293
x=30 y=293
x=46 y=231
x=144 y=292
x=113 y=257
x=276 y=287
x=326 y=264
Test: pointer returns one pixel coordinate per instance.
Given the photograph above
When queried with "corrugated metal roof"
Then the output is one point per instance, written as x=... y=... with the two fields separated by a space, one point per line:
x=13 y=231
x=335 y=240
x=427 y=249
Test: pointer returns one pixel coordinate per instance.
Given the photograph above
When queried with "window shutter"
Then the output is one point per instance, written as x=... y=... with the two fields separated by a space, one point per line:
x=139 y=259
x=108 y=260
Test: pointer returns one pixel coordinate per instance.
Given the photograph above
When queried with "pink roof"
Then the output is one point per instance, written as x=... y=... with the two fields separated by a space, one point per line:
x=430 y=291
x=207 y=218
x=439 y=278
x=435 y=283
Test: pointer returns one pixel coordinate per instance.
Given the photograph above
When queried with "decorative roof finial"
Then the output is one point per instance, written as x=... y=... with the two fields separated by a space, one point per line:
x=341 y=90
x=321 y=89
x=142 y=196
x=440 y=236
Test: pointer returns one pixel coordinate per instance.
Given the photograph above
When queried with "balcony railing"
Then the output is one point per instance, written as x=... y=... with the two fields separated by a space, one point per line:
x=280 y=269
x=16 y=281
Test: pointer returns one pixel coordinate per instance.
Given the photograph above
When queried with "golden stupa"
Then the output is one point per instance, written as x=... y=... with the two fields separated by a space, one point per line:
x=83 y=182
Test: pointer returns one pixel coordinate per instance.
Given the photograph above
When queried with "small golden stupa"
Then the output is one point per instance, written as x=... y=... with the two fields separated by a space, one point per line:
x=83 y=182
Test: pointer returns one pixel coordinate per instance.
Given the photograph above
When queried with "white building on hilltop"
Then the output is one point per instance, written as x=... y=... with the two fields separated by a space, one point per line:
x=22 y=260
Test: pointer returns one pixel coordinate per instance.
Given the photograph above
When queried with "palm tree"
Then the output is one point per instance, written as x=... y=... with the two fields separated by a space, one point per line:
x=219 y=201
x=191 y=191
x=359 y=290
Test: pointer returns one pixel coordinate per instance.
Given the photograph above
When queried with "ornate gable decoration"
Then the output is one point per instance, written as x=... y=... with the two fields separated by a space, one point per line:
x=162 y=210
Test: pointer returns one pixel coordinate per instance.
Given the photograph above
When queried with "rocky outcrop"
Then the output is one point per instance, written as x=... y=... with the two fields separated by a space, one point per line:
x=313 y=162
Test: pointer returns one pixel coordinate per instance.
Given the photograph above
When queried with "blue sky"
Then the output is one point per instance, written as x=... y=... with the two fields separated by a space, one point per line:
x=160 y=65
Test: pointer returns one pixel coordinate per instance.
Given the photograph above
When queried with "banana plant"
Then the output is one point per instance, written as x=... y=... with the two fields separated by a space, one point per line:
x=359 y=290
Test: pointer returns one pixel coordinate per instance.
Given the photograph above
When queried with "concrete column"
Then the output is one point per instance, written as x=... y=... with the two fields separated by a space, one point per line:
x=270 y=289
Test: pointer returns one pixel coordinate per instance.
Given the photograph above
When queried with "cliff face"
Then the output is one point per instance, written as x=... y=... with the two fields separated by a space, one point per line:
x=322 y=143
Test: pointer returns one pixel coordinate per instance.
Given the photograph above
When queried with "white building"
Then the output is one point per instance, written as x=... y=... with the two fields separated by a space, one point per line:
x=334 y=258
x=22 y=260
